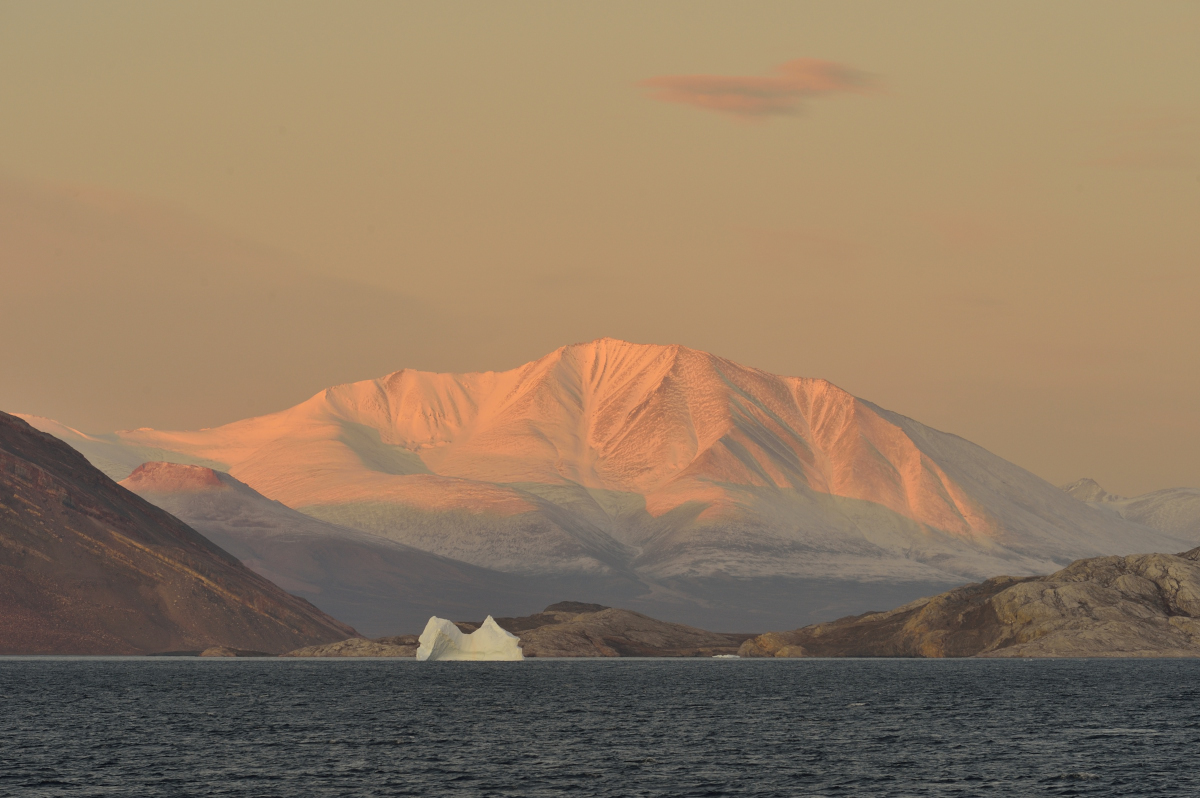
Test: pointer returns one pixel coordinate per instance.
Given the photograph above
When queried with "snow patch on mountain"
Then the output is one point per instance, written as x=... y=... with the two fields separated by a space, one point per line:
x=623 y=460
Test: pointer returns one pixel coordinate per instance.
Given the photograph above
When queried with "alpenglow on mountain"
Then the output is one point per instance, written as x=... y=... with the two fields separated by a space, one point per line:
x=703 y=488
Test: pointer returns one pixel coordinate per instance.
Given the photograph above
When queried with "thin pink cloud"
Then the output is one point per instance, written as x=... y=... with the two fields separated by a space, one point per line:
x=752 y=96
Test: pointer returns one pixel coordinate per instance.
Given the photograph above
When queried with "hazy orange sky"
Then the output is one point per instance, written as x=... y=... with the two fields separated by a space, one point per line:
x=984 y=216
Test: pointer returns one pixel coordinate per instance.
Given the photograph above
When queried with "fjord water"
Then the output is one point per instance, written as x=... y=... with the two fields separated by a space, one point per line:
x=189 y=727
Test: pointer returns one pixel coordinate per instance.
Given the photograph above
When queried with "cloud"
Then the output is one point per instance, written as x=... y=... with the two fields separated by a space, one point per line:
x=751 y=96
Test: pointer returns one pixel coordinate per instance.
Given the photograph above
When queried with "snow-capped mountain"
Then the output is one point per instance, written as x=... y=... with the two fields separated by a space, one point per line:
x=665 y=465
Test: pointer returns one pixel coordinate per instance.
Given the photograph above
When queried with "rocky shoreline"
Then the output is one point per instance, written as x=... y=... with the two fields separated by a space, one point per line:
x=1145 y=605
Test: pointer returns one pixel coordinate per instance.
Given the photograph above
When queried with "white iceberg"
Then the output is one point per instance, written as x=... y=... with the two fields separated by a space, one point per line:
x=442 y=640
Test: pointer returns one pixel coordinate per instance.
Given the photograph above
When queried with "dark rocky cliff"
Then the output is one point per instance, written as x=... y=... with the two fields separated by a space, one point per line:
x=86 y=567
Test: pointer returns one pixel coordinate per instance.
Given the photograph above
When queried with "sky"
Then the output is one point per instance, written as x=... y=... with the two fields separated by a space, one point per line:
x=983 y=216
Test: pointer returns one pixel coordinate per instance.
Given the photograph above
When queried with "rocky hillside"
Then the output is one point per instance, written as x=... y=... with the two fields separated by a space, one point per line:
x=1145 y=605
x=86 y=567
x=571 y=629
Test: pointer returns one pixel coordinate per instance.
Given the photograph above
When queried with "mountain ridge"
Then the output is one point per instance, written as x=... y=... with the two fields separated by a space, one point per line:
x=660 y=463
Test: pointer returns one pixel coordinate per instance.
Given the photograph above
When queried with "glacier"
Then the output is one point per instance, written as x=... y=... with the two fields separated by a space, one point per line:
x=442 y=640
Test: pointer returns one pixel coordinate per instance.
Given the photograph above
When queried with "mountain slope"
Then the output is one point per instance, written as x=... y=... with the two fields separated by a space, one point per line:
x=377 y=585
x=87 y=567
x=659 y=464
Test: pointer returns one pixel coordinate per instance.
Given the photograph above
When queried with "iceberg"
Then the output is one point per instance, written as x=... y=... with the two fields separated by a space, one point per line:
x=442 y=640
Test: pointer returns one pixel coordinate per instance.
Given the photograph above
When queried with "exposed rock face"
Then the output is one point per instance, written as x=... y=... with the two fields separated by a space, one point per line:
x=400 y=640
x=361 y=647
x=1145 y=605
x=86 y=567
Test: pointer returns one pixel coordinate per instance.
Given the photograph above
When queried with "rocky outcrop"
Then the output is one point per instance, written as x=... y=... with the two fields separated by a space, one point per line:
x=1145 y=605
x=226 y=651
x=562 y=630
x=86 y=567
x=403 y=646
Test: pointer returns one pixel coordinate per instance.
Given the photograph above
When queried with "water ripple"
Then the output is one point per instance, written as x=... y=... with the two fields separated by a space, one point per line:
x=186 y=727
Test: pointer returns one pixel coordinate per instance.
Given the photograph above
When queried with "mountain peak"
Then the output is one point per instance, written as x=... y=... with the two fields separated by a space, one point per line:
x=618 y=351
x=611 y=457
x=620 y=344
x=1089 y=490
x=172 y=478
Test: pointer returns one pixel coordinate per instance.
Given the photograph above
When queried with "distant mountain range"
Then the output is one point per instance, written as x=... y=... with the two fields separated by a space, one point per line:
x=1173 y=510
x=660 y=478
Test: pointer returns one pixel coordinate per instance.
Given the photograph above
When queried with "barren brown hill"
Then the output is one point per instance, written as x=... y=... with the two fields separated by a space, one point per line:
x=401 y=646
x=86 y=567
x=566 y=629
x=574 y=629
x=1144 y=605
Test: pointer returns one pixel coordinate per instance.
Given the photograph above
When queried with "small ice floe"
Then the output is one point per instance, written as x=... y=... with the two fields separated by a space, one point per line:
x=725 y=656
x=442 y=640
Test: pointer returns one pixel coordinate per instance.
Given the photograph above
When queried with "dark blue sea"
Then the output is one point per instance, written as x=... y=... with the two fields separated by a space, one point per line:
x=190 y=727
